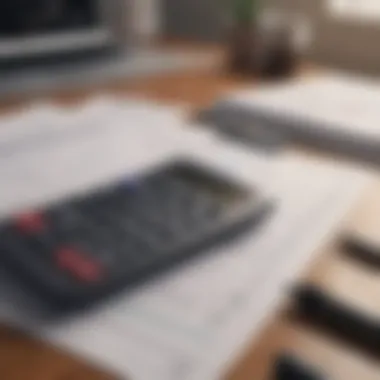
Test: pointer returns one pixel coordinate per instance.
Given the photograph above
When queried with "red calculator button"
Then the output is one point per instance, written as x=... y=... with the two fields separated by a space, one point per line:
x=78 y=265
x=30 y=222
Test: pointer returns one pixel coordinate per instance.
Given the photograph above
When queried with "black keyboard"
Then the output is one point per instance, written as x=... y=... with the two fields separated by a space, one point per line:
x=86 y=247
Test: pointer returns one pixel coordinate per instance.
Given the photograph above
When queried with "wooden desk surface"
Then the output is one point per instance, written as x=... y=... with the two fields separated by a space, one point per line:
x=24 y=359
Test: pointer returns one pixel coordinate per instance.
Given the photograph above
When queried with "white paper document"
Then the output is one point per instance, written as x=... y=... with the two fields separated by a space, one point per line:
x=194 y=322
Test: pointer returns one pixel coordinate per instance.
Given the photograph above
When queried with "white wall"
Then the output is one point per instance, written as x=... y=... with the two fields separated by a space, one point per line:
x=147 y=20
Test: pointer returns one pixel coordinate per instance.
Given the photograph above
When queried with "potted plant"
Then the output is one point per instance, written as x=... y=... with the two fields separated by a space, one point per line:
x=243 y=15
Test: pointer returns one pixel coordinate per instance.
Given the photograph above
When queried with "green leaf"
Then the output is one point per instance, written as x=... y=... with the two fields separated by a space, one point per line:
x=244 y=11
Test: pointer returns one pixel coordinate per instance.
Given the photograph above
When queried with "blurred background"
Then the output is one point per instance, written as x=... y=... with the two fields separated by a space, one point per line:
x=48 y=44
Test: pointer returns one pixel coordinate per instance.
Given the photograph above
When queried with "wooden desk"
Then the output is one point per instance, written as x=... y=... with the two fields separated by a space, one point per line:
x=24 y=359
x=343 y=277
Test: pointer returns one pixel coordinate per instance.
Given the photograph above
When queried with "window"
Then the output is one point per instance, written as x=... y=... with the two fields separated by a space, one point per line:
x=356 y=9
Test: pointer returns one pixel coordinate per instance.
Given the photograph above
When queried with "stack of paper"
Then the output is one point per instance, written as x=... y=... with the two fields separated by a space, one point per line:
x=334 y=112
x=193 y=323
